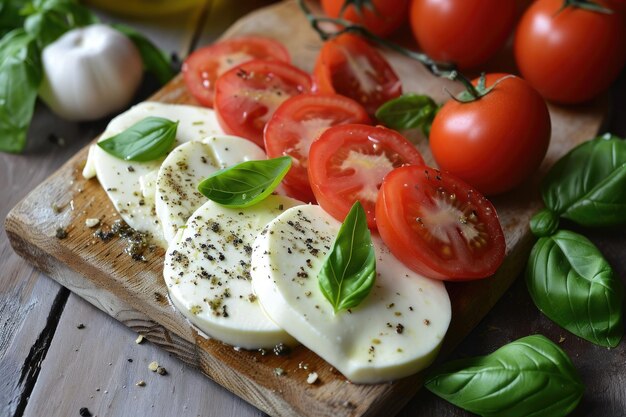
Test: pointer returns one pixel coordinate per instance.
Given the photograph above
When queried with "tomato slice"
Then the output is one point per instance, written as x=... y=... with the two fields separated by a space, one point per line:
x=247 y=96
x=348 y=163
x=349 y=66
x=205 y=65
x=438 y=225
x=297 y=123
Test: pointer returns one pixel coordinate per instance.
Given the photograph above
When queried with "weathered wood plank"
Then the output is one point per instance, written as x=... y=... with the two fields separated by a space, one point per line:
x=91 y=367
x=27 y=297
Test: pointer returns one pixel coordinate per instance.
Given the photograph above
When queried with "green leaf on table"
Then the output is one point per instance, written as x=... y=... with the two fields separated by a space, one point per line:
x=409 y=111
x=570 y=282
x=349 y=270
x=588 y=184
x=20 y=76
x=147 y=140
x=48 y=20
x=531 y=376
x=154 y=60
x=246 y=183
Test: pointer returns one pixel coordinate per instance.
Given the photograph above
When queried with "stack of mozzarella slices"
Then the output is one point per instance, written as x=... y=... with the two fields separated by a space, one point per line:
x=248 y=276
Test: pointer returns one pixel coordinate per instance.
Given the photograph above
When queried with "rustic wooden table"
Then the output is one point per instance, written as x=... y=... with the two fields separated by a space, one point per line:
x=59 y=354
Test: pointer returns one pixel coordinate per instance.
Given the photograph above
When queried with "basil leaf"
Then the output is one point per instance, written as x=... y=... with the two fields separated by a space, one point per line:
x=147 y=140
x=588 y=185
x=349 y=271
x=247 y=183
x=49 y=19
x=410 y=111
x=20 y=76
x=531 y=376
x=10 y=16
x=154 y=60
x=570 y=282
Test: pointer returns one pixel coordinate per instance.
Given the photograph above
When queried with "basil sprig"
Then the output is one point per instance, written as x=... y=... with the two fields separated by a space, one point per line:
x=246 y=183
x=587 y=186
x=570 y=282
x=409 y=111
x=349 y=271
x=529 y=377
x=154 y=60
x=20 y=76
x=147 y=140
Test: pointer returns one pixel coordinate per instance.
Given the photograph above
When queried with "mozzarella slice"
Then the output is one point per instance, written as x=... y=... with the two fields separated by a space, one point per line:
x=396 y=331
x=177 y=196
x=122 y=179
x=207 y=272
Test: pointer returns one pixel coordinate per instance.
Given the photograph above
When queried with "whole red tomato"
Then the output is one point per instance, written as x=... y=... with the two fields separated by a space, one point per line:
x=381 y=17
x=570 y=55
x=495 y=142
x=465 y=32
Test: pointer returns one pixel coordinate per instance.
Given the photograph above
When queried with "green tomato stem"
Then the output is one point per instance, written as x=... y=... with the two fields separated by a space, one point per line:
x=586 y=5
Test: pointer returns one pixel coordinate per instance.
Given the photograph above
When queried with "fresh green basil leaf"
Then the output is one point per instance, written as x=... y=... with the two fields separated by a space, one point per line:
x=247 y=183
x=154 y=60
x=544 y=223
x=588 y=185
x=49 y=19
x=349 y=271
x=570 y=282
x=10 y=16
x=20 y=76
x=530 y=377
x=410 y=111
x=147 y=140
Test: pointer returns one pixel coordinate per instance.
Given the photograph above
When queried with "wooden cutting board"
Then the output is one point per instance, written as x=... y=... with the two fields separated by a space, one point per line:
x=134 y=292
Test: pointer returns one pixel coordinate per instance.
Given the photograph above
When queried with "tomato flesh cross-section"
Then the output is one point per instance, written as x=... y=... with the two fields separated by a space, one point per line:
x=247 y=96
x=297 y=123
x=439 y=226
x=349 y=66
x=348 y=163
x=202 y=68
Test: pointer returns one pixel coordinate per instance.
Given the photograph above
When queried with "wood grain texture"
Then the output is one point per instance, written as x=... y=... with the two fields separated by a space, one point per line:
x=104 y=275
x=83 y=369
x=27 y=297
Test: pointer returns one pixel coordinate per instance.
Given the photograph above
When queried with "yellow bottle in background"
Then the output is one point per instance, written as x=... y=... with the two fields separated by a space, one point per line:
x=146 y=8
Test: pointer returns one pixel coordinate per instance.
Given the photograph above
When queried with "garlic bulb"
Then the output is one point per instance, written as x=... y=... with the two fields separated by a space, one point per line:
x=90 y=72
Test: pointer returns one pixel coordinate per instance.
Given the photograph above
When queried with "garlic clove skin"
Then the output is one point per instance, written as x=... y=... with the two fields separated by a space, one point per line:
x=90 y=72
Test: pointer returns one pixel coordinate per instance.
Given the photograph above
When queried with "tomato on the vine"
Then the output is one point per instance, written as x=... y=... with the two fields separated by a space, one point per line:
x=203 y=66
x=349 y=66
x=247 y=96
x=297 y=123
x=466 y=32
x=348 y=163
x=381 y=17
x=570 y=54
x=438 y=225
x=496 y=141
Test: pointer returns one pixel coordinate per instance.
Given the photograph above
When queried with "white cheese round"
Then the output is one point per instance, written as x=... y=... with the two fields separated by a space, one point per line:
x=395 y=332
x=207 y=272
x=177 y=195
x=121 y=179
